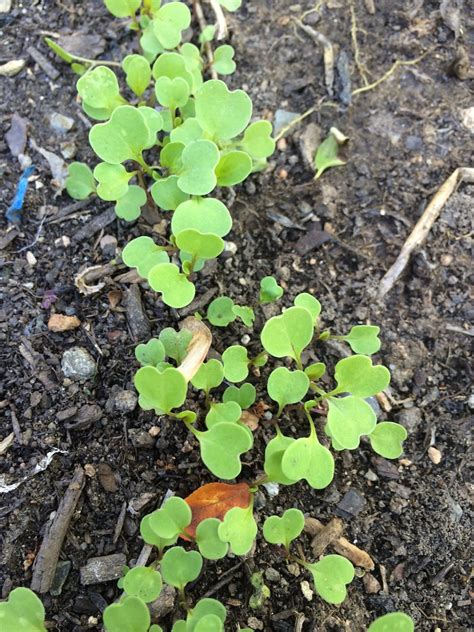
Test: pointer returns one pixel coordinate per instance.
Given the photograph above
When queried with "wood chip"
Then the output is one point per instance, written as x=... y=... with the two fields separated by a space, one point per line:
x=103 y=569
x=43 y=63
x=7 y=442
x=326 y=536
x=60 y=322
x=136 y=316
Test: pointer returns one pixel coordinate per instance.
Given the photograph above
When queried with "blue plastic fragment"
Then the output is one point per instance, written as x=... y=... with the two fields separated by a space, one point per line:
x=13 y=213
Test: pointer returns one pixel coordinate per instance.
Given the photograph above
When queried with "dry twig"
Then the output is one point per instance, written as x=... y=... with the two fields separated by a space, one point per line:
x=328 y=54
x=222 y=30
x=207 y=45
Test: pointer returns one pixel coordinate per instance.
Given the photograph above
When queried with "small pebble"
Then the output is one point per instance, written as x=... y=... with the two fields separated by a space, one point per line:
x=371 y=584
x=125 y=401
x=60 y=123
x=434 y=455
x=245 y=339
x=78 y=364
x=89 y=470
x=294 y=569
x=30 y=257
x=308 y=594
x=272 y=575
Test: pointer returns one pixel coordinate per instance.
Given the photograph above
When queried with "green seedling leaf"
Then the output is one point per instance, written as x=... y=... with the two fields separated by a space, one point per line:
x=199 y=160
x=230 y=5
x=149 y=43
x=137 y=73
x=80 y=182
x=228 y=411
x=122 y=8
x=160 y=391
x=274 y=453
x=260 y=360
x=131 y=613
x=209 y=623
x=59 y=50
x=175 y=287
x=284 y=530
x=22 y=611
x=244 y=395
x=261 y=591
x=330 y=576
x=122 y=138
x=205 y=608
x=221 y=113
x=172 y=65
x=221 y=447
x=187 y=132
x=246 y=314
x=220 y=311
x=348 y=419
x=387 y=439
x=167 y=194
x=327 y=156
x=270 y=291
x=364 y=339
x=233 y=168
x=143 y=254
x=151 y=353
x=315 y=371
x=392 y=622
x=172 y=93
x=168 y=23
x=207 y=34
x=210 y=545
x=144 y=583
x=150 y=537
x=100 y=93
x=154 y=122
x=170 y=520
x=288 y=334
x=258 y=141
x=357 y=376
x=238 y=529
x=113 y=181
x=210 y=375
x=310 y=303
x=236 y=363
x=176 y=343
x=207 y=215
x=224 y=63
x=287 y=387
x=198 y=245
x=179 y=567
x=129 y=206
x=170 y=157
x=307 y=459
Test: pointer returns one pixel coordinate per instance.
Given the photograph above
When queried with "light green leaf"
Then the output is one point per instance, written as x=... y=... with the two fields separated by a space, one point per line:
x=150 y=537
x=210 y=375
x=315 y=371
x=154 y=122
x=245 y=313
x=327 y=156
x=307 y=459
x=284 y=530
x=230 y=5
x=137 y=73
x=207 y=215
x=236 y=363
x=170 y=157
x=330 y=576
x=176 y=343
x=187 y=132
x=220 y=112
x=172 y=93
x=131 y=613
x=168 y=23
x=172 y=65
x=310 y=303
x=175 y=287
x=113 y=181
x=357 y=376
x=270 y=291
x=122 y=8
x=80 y=182
x=161 y=391
x=166 y=193
x=122 y=138
x=202 y=609
x=288 y=334
x=209 y=623
x=129 y=206
x=199 y=245
x=258 y=141
x=171 y=519
x=143 y=254
x=224 y=63
x=274 y=453
x=59 y=50
x=220 y=311
x=348 y=419
x=144 y=583
x=229 y=411
x=22 y=611
x=392 y=622
x=239 y=529
x=364 y=339
x=100 y=93
x=244 y=395
x=387 y=439
x=207 y=34
x=149 y=43
x=210 y=545
x=179 y=567
x=150 y=353
x=287 y=387
x=199 y=160
x=221 y=447
x=233 y=168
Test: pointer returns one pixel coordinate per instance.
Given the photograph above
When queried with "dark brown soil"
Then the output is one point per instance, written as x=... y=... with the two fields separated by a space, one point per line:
x=406 y=136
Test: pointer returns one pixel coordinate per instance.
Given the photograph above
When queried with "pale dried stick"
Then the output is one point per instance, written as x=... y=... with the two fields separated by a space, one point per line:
x=423 y=226
x=328 y=54
x=197 y=349
x=207 y=45
x=222 y=30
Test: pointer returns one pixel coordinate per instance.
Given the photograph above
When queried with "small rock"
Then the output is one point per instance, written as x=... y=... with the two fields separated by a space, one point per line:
x=30 y=257
x=59 y=322
x=12 y=67
x=78 y=364
x=68 y=149
x=371 y=476
x=410 y=418
x=273 y=489
x=371 y=584
x=398 y=572
x=103 y=569
x=294 y=569
x=434 y=455
x=60 y=576
x=60 y=123
x=141 y=439
x=89 y=470
x=308 y=594
x=5 y=6
x=384 y=468
x=467 y=118
x=124 y=401
x=135 y=505
x=245 y=340
x=309 y=141
x=17 y=135
x=230 y=249
x=107 y=478
x=108 y=245
x=163 y=605
x=62 y=415
x=254 y=623
x=154 y=431
x=272 y=575
x=470 y=401
x=86 y=416
x=351 y=505
x=282 y=119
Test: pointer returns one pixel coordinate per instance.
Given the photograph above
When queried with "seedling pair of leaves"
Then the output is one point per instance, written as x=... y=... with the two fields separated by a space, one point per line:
x=222 y=311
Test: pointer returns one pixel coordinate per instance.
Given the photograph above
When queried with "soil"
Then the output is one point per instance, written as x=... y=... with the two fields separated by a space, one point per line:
x=334 y=237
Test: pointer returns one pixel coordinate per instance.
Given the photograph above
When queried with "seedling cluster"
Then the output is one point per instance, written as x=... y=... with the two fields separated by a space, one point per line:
x=169 y=142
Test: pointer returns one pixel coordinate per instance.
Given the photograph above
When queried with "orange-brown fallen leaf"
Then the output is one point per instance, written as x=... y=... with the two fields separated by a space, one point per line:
x=249 y=420
x=214 y=500
x=59 y=322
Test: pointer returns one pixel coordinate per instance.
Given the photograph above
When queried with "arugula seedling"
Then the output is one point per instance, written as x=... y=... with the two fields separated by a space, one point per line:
x=222 y=311
x=224 y=63
x=287 y=387
x=236 y=363
x=227 y=411
x=207 y=538
x=309 y=302
x=210 y=375
x=387 y=439
x=270 y=291
x=363 y=339
x=143 y=582
x=131 y=613
x=288 y=334
x=392 y=622
x=22 y=611
x=284 y=530
x=160 y=391
x=137 y=73
x=327 y=153
x=122 y=8
x=238 y=529
x=261 y=591
x=80 y=182
x=170 y=520
x=244 y=396
x=180 y=567
x=331 y=575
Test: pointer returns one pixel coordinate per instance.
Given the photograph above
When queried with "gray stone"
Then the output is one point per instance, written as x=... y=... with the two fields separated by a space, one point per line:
x=351 y=504
x=60 y=123
x=125 y=401
x=163 y=605
x=282 y=119
x=60 y=576
x=141 y=438
x=103 y=569
x=410 y=418
x=272 y=575
x=78 y=364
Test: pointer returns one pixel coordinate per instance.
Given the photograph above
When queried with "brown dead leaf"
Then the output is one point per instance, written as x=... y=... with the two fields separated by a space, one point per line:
x=249 y=420
x=214 y=500
x=107 y=477
x=59 y=322
x=114 y=296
